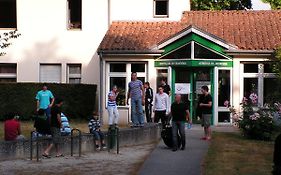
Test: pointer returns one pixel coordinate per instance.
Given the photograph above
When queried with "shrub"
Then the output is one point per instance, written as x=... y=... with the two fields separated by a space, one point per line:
x=79 y=99
x=256 y=122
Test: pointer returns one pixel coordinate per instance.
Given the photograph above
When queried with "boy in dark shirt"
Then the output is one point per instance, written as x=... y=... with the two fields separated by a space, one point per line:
x=148 y=101
x=205 y=106
x=55 y=129
x=180 y=114
x=42 y=123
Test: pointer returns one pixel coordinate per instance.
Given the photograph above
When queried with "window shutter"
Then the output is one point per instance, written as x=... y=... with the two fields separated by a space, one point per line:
x=50 y=73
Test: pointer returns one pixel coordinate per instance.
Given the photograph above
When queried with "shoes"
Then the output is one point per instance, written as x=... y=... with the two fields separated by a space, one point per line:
x=174 y=149
x=203 y=138
x=183 y=148
x=46 y=156
x=60 y=155
x=97 y=148
x=104 y=147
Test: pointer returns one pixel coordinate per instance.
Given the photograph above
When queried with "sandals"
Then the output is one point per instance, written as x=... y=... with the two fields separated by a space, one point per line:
x=60 y=155
x=46 y=156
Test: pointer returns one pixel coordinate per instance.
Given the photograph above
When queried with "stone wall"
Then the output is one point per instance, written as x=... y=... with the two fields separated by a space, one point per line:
x=128 y=137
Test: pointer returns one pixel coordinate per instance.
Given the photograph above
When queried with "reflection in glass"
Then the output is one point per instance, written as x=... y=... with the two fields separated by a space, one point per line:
x=251 y=68
x=117 y=67
x=250 y=86
x=120 y=82
x=224 y=117
x=224 y=88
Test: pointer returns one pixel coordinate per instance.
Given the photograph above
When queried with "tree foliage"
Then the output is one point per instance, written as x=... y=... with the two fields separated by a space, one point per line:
x=277 y=62
x=221 y=4
x=275 y=4
x=5 y=40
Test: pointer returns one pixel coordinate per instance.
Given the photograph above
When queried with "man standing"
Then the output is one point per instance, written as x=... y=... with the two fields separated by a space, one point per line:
x=45 y=100
x=180 y=114
x=205 y=106
x=112 y=106
x=165 y=86
x=55 y=129
x=161 y=107
x=136 y=93
x=148 y=101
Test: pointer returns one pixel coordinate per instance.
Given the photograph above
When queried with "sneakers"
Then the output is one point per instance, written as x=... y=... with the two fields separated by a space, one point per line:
x=174 y=149
x=97 y=147
x=104 y=147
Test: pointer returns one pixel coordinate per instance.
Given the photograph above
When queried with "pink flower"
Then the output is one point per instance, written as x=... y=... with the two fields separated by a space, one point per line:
x=226 y=103
x=254 y=98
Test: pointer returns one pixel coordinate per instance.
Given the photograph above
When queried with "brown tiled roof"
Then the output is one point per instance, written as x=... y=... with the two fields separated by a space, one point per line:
x=248 y=30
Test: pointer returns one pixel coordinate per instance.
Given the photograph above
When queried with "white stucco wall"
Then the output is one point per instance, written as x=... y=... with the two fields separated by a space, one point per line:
x=144 y=10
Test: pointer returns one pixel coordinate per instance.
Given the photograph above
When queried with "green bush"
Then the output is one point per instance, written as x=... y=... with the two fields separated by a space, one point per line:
x=79 y=99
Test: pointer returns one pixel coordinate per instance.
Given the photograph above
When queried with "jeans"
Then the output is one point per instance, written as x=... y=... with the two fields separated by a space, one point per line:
x=113 y=115
x=178 y=127
x=148 y=111
x=137 y=112
x=160 y=115
x=98 y=135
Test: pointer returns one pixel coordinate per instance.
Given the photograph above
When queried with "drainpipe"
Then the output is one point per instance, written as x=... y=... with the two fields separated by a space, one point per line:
x=108 y=12
x=101 y=88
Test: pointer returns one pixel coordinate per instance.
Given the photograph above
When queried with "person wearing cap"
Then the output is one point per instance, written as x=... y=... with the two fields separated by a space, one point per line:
x=112 y=107
x=45 y=100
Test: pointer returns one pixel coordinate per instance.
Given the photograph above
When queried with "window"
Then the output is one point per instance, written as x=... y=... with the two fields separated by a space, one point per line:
x=259 y=79
x=161 y=74
x=74 y=73
x=182 y=53
x=120 y=75
x=161 y=8
x=8 y=73
x=8 y=14
x=50 y=73
x=74 y=14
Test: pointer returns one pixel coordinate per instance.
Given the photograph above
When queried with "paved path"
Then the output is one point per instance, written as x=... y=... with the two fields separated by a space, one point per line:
x=188 y=162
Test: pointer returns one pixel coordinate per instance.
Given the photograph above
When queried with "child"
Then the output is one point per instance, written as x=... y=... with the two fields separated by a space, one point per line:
x=42 y=124
x=94 y=127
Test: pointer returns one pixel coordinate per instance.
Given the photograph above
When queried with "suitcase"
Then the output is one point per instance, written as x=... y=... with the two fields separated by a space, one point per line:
x=167 y=136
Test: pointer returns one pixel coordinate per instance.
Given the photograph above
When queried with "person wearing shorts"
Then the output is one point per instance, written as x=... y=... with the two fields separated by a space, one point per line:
x=205 y=106
x=55 y=129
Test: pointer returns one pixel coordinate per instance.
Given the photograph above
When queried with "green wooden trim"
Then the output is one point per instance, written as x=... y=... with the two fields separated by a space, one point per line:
x=194 y=37
x=193 y=63
x=173 y=84
x=192 y=81
x=212 y=94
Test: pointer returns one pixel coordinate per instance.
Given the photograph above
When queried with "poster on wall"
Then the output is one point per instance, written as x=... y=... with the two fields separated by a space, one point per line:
x=199 y=84
x=182 y=88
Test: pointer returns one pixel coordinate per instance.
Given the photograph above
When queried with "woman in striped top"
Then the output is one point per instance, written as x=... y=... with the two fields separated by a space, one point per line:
x=112 y=106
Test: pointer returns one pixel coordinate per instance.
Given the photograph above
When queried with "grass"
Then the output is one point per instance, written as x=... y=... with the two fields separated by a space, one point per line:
x=27 y=127
x=231 y=154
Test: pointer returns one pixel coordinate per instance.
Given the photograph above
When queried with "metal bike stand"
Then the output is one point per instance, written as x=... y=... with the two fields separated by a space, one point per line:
x=72 y=141
x=31 y=146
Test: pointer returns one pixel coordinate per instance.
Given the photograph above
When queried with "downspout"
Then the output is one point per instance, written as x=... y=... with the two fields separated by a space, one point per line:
x=108 y=13
x=101 y=88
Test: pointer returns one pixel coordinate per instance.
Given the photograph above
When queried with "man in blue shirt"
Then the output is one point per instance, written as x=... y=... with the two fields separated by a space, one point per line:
x=45 y=100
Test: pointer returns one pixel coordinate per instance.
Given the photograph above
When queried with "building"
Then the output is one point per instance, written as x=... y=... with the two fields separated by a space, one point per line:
x=101 y=42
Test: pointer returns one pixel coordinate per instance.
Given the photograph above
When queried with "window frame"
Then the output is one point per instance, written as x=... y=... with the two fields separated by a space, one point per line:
x=154 y=9
x=126 y=75
x=16 y=20
x=9 y=75
x=50 y=64
x=68 y=17
x=73 y=76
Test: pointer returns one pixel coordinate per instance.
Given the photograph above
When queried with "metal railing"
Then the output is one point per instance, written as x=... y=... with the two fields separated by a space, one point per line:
x=31 y=145
x=72 y=141
x=112 y=135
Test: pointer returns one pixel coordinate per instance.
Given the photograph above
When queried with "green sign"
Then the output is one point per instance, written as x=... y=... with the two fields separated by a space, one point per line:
x=193 y=63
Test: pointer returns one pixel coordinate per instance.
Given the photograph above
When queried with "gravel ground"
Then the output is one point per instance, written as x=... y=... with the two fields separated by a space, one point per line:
x=128 y=162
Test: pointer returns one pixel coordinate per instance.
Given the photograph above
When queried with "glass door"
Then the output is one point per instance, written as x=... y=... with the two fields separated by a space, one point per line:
x=223 y=95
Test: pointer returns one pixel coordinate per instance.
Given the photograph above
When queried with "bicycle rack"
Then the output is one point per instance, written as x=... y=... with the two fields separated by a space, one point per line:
x=80 y=141
x=31 y=146
x=116 y=135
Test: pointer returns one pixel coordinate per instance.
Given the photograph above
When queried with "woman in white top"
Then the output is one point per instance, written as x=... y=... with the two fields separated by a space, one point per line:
x=161 y=106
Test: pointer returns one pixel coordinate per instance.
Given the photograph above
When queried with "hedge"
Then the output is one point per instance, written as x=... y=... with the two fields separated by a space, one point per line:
x=79 y=99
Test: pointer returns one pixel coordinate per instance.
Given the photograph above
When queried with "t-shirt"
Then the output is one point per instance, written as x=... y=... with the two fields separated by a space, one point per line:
x=11 y=128
x=205 y=100
x=166 y=88
x=42 y=125
x=178 y=111
x=65 y=130
x=44 y=98
x=94 y=125
x=54 y=113
x=111 y=103
x=135 y=89
x=161 y=102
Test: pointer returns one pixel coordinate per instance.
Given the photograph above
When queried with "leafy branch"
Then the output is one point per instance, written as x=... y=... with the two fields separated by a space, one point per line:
x=5 y=40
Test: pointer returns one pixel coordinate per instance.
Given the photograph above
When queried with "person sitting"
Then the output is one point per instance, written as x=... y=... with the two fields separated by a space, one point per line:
x=65 y=129
x=94 y=127
x=42 y=124
x=12 y=128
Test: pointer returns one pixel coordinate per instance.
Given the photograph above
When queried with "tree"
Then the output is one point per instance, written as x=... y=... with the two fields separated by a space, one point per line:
x=221 y=4
x=275 y=4
x=5 y=40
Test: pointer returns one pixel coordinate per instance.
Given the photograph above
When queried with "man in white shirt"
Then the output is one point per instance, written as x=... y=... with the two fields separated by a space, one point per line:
x=161 y=106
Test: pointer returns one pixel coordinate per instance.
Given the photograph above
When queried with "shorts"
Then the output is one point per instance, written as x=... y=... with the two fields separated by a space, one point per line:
x=206 y=120
x=55 y=135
